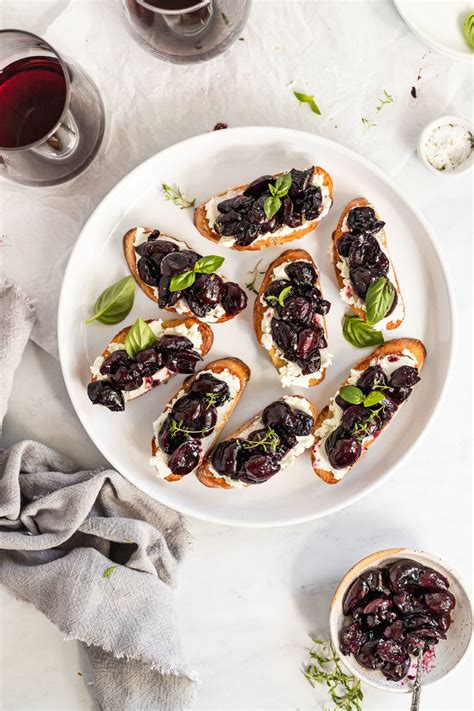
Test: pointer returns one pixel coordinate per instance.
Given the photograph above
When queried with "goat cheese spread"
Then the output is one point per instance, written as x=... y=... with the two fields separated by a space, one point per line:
x=160 y=459
x=290 y=373
x=212 y=213
x=447 y=146
x=161 y=375
x=304 y=442
x=388 y=364
x=348 y=293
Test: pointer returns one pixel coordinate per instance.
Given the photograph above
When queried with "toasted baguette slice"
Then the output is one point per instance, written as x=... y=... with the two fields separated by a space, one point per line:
x=290 y=255
x=394 y=347
x=207 y=340
x=235 y=367
x=202 y=223
x=131 y=257
x=382 y=238
x=205 y=472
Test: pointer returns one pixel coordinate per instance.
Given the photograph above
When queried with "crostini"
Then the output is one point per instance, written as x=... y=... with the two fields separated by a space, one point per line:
x=364 y=405
x=289 y=319
x=265 y=445
x=144 y=355
x=361 y=257
x=193 y=419
x=157 y=260
x=271 y=210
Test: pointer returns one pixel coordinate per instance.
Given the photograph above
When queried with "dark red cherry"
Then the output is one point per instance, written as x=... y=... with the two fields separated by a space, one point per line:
x=225 y=458
x=355 y=594
x=351 y=639
x=148 y=271
x=301 y=273
x=102 y=392
x=286 y=337
x=275 y=288
x=260 y=468
x=304 y=423
x=188 y=409
x=178 y=262
x=405 y=574
x=168 y=442
x=344 y=244
x=185 y=458
x=444 y=622
x=115 y=360
x=391 y=651
x=394 y=631
x=372 y=378
x=239 y=203
x=396 y=672
x=405 y=376
x=377 y=580
x=165 y=296
x=368 y=656
x=300 y=181
x=280 y=415
x=182 y=361
x=156 y=246
x=173 y=343
x=311 y=364
x=441 y=602
x=126 y=379
x=308 y=340
x=432 y=580
x=309 y=203
x=298 y=310
x=234 y=300
x=407 y=603
x=342 y=451
x=149 y=361
x=362 y=278
x=208 y=289
x=364 y=251
x=398 y=395
x=210 y=389
x=258 y=186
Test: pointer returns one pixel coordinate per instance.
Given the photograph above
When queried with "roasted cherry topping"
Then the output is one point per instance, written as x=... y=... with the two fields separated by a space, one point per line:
x=243 y=216
x=260 y=468
x=150 y=361
x=210 y=389
x=301 y=273
x=342 y=450
x=362 y=219
x=392 y=615
x=101 y=392
x=160 y=260
x=372 y=378
x=185 y=458
x=182 y=361
x=115 y=360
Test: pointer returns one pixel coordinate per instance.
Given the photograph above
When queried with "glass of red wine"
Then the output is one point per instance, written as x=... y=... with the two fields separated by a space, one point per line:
x=51 y=113
x=186 y=31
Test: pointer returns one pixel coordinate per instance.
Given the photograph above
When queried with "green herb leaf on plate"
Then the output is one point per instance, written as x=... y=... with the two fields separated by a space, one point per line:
x=182 y=281
x=271 y=206
x=283 y=184
x=352 y=394
x=115 y=302
x=308 y=99
x=209 y=264
x=278 y=190
x=177 y=197
x=379 y=300
x=360 y=334
x=139 y=338
x=373 y=398
x=108 y=572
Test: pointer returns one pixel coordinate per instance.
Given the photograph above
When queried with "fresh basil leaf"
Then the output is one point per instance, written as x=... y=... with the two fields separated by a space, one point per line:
x=468 y=29
x=379 y=300
x=209 y=264
x=283 y=184
x=308 y=99
x=182 y=281
x=115 y=303
x=373 y=398
x=272 y=189
x=271 y=206
x=139 y=338
x=360 y=334
x=352 y=394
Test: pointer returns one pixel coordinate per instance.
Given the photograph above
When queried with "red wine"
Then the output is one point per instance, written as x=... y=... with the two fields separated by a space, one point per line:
x=32 y=98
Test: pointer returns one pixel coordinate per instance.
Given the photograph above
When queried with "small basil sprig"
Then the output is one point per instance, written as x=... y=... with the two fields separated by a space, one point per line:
x=273 y=203
x=355 y=396
x=379 y=300
x=139 y=338
x=308 y=99
x=360 y=334
x=205 y=265
x=280 y=299
x=115 y=303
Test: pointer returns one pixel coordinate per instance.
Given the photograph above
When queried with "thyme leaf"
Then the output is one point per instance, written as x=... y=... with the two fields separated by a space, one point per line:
x=254 y=273
x=271 y=440
x=324 y=668
x=176 y=196
x=386 y=99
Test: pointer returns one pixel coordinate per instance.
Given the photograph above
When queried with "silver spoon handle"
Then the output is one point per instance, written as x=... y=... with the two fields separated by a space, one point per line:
x=415 y=699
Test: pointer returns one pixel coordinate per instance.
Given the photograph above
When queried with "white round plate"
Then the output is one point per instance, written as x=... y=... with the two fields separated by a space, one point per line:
x=445 y=656
x=201 y=167
x=439 y=23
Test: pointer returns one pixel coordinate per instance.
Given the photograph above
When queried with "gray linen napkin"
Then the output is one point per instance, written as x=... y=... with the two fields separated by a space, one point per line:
x=17 y=317
x=99 y=559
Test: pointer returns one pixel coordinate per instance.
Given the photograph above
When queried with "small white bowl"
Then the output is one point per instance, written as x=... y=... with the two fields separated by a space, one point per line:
x=447 y=653
x=463 y=167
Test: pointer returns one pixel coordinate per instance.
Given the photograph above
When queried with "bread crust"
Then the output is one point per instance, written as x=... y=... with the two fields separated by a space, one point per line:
x=236 y=367
x=129 y=253
x=338 y=232
x=395 y=347
x=289 y=255
x=204 y=473
x=205 y=331
x=202 y=223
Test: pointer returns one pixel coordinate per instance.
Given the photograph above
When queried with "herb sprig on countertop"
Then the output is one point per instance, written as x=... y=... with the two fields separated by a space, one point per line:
x=386 y=99
x=177 y=197
x=324 y=668
x=254 y=274
x=308 y=99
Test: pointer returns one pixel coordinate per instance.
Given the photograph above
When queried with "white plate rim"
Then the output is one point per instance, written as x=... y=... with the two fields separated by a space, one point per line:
x=295 y=134
x=437 y=46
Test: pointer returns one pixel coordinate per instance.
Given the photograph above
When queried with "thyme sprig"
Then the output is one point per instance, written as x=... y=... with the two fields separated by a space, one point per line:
x=210 y=399
x=177 y=426
x=324 y=668
x=254 y=273
x=367 y=123
x=271 y=440
x=386 y=99
x=176 y=196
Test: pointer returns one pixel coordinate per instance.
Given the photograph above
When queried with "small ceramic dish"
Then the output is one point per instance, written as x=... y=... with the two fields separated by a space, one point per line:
x=447 y=653
x=422 y=147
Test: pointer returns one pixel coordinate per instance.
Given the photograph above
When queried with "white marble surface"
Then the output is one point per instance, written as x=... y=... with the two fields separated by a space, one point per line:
x=248 y=599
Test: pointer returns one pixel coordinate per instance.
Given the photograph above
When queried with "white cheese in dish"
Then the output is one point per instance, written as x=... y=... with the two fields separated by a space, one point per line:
x=388 y=364
x=302 y=443
x=161 y=375
x=212 y=213
x=348 y=293
x=160 y=459
x=290 y=373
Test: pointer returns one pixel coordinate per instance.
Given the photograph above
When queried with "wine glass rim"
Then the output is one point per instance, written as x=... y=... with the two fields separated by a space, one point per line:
x=162 y=11
x=66 y=99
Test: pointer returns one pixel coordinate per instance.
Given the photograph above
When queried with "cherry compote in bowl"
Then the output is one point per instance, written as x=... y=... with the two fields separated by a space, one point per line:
x=377 y=578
